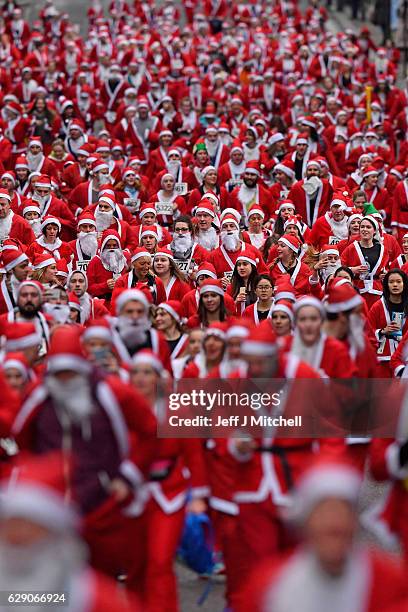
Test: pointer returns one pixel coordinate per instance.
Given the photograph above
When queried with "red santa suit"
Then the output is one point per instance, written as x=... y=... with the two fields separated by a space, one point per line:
x=15 y=227
x=243 y=199
x=300 y=278
x=224 y=261
x=327 y=231
x=155 y=285
x=303 y=205
x=370 y=287
x=379 y=317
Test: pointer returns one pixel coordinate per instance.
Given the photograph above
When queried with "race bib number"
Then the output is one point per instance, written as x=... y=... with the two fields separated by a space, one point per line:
x=183 y=265
x=228 y=275
x=235 y=182
x=177 y=64
x=132 y=204
x=334 y=240
x=82 y=265
x=181 y=188
x=164 y=208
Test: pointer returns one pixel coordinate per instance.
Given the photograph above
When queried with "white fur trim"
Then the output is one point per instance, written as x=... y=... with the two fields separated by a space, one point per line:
x=130 y=295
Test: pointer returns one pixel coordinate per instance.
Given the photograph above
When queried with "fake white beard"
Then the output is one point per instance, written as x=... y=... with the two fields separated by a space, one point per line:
x=212 y=147
x=44 y=566
x=226 y=140
x=340 y=229
x=85 y=303
x=208 y=239
x=36 y=226
x=133 y=333
x=42 y=200
x=5 y=226
x=88 y=242
x=15 y=283
x=173 y=168
x=182 y=243
x=113 y=260
x=302 y=351
x=230 y=240
x=33 y=161
x=356 y=335
x=103 y=220
x=246 y=194
x=326 y=272
x=72 y=396
x=59 y=312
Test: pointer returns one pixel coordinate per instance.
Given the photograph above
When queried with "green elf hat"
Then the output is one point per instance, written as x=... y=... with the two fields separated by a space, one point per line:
x=199 y=146
x=370 y=209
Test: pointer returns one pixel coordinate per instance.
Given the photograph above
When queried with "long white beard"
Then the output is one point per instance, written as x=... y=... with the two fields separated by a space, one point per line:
x=44 y=566
x=5 y=226
x=230 y=240
x=33 y=161
x=59 y=312
x=36 y=227
x=42 y=200
x=356 y=335
x=103 y=220
x=226 y=140
x=340 y=229
x=88 y=242
x=208 y=239
x=304 y=353
x=181 y=243
x=173 y=168
x=212 y=147
x=326 y=272
x=133 y=333
x=113 y=260
x=15 y=283
x=85 y=303
x=73 y=397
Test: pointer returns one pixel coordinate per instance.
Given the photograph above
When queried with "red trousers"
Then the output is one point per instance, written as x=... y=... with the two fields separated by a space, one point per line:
x=227 y=538
x=154 y=577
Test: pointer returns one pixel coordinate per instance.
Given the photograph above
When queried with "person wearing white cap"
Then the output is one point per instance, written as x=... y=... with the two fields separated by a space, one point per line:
x=91 y=308
x=330 y=569
x=36 y=160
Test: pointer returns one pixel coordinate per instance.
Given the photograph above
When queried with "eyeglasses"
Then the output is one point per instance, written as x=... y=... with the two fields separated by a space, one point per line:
x=264 y=287
x=181 y=230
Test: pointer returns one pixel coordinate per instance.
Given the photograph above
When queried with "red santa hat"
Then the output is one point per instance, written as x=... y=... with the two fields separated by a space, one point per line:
x=4 y=195
x=98 y=165
x=107 y=235
x=163 y=252
x=285 y=204
x=73 y=301
x=256 y=210
x=218 y=329
x=35 y=141
x=302 y=138
x=31 y=207
x=86 y=149
x=173 y=308
x=308 y=300
x=20 y=336
x=103 y=146
x=17 y=361
x=206 y=207
x=37 y=494
x=293 y=220
x=108 y=200
x=86 y=218
x=98 y=329
x=285 y=306
x=76 y=124
x=43 y=181
x=66 y=351
x=147 y=357
x=147 y=208
x=352 y=217
x=329 y=249
x=50 y=220
x=128 y=172
x=284 y=289
x=12 y=258
x=30 y=283
x=252 y=167
x=286 y=166
x=138 y=253
x=278 y=137
x=339 y=200
x=230 y=219
x=131 y=295
x=62 y=268
x=342 y=297
x=149 y=230
x=21 y=162
x=207 y=169
x=207 y=269
x=313 y=162
x=325 y=480
x=15 y=107
x=247 y=256
x=212 y=286
x=262 y=341
x=290 y=241
x=230 y=211
x=9 y=175
x=42 y=260
x=369 y=171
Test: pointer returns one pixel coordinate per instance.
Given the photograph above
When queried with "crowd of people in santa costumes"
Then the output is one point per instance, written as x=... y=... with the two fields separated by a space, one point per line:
x=198 y=191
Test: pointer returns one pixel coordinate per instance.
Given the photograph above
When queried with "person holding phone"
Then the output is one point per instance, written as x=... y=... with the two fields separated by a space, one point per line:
x=242 y=287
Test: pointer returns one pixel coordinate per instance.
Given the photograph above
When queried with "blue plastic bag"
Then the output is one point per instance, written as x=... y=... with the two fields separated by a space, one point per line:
x=196 y=548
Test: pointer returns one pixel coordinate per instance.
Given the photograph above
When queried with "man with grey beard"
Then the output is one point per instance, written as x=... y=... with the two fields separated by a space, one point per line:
x=78 y=409
x=40 y=549
x=107 y=266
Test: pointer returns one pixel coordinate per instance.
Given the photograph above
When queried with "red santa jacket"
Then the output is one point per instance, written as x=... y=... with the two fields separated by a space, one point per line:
x=379 y=317
x=63 y=251
x=399 y=214
x=302 y=201
x=332 y=358
x=300 y=278
x=323 y=231
x=21 y=230
x=191 y=299
x=58 y=208
x=98 y=276
x=243 y=200
x=154 y=283
x=224 y=261
x=353 y=256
